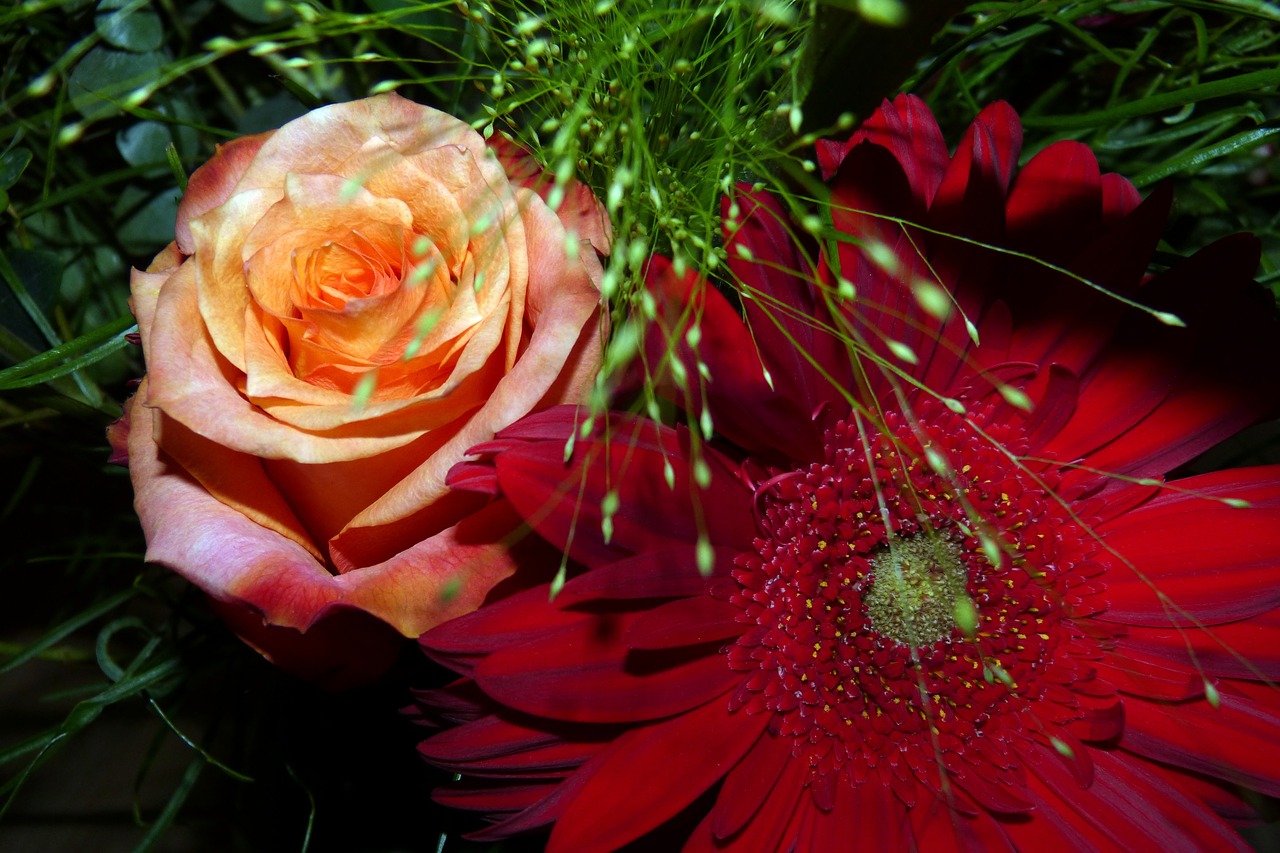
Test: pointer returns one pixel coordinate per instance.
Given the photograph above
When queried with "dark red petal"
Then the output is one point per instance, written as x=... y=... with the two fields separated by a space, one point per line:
x=1235 y=741
x=771 y=827
x=586 y=674
x=1119 y=197
x=492 y=797
x=735 y=391
x=908 y=129
x=549 y=808
x=941 y=824
x=494 y=746
x=1204 y=395
x=1059 y=319
x=523 y=617
x=760 y=775
x=1195 y=560
x=1055 y=203
x=788 y=321
x=660 y=573
x=971 y=198
x=1248 y=649
x=1120 y=808
x=565 y=502
x=686 y=622
x=1131 y=671
x=880 y=822
x=650 y=774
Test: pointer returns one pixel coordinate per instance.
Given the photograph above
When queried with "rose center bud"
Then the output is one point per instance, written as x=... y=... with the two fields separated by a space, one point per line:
x=917 y=588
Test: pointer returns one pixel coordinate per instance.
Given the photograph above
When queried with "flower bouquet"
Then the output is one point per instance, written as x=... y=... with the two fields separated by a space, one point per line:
x=598 y=426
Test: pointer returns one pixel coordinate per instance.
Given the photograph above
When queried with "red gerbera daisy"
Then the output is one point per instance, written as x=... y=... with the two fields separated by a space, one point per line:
x=950 y=601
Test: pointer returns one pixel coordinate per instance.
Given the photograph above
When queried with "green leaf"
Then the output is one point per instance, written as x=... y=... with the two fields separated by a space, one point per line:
x=151 y=224
x=1193 y=160
x=127 y=24
x=67 y=358
x=144 y=144
x=12 y=164
x=106 y=76
x=40 y=273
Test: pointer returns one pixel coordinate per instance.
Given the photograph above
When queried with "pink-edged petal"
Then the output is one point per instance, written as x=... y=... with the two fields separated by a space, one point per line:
x=1201 y=579
x=584 y=673
x=212 y=184
x=581 y=212
x=342 y=649
x=233 y=558
x=612 y=810
x=1235 y=741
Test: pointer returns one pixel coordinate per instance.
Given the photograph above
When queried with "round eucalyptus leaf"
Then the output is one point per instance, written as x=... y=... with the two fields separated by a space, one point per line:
x=105 y=76
x=129 y=25
x=144 y=144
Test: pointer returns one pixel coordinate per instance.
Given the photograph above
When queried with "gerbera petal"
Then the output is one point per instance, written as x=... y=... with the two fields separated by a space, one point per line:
x=725 y=373
x=787 y=318
x=1123 y=800
x=492 y=745
x=761 y=775
x=660 y=573
x=686 y=622
x=1249 y=649
x=1057 y=192
x=1235 y=741
x=611 y=810
x=585 y=673
x=565 y=503
x=944 y=825
x=1207 y=579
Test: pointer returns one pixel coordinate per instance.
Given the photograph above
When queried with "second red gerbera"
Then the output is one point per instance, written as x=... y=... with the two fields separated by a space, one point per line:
x=951 y=602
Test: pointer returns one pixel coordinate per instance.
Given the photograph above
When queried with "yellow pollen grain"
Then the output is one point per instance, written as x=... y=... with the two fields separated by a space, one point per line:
x=823 y=584
x=808 y=603
x=965 y=469
x=822 y=544
x=826 y=708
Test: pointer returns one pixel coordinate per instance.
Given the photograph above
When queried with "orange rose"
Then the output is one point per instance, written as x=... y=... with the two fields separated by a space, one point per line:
x=352 y=302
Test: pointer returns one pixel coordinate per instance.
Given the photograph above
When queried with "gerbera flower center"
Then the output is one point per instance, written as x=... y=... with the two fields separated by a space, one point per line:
x=917 y=591
x=910 y=603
